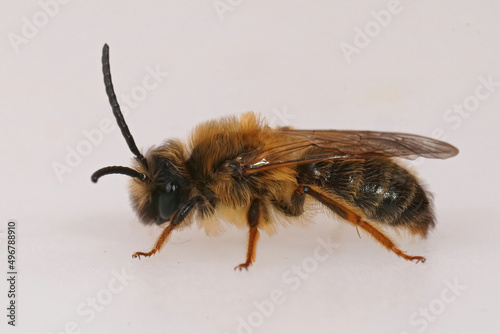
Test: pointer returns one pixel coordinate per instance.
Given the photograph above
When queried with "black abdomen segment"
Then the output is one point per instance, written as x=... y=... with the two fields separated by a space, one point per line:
x=382 y=190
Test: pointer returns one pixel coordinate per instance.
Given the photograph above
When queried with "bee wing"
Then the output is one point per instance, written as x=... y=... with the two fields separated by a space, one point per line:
x=340 y=144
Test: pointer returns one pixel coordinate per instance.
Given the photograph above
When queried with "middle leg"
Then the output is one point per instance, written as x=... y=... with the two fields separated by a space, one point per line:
x=253 y=216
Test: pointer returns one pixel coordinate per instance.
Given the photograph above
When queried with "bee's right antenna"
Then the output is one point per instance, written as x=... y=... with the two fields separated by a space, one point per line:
x=116 y=107
x=121 y=123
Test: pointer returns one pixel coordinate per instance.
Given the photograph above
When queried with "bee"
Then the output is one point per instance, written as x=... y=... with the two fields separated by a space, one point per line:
x=243 y=171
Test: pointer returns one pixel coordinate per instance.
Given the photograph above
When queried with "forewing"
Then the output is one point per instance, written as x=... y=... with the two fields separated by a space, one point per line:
x=339 y=144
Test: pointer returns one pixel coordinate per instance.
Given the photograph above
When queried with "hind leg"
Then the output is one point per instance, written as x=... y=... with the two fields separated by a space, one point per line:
x=358 y=221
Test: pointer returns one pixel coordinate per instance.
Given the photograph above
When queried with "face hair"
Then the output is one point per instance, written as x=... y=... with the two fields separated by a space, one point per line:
x=121 y=123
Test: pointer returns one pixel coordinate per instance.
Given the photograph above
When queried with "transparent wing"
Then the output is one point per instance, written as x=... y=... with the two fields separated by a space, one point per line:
x=340 y=144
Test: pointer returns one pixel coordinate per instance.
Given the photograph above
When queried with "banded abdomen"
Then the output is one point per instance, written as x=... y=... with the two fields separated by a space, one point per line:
x=381 y=189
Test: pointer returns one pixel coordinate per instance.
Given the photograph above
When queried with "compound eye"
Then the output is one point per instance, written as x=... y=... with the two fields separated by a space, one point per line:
x=168 y=201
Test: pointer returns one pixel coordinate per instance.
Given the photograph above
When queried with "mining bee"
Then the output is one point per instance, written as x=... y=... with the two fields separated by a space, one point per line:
x=240 y=170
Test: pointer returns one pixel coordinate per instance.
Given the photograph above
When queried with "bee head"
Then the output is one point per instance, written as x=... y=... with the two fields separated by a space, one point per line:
x=158 y=185
x=166 y=185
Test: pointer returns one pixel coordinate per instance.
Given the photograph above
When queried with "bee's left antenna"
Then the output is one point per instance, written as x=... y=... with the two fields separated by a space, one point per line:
x=121 y=124
x=118 y=170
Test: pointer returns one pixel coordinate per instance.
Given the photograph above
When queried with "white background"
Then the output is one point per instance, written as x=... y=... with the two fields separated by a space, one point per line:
x=272 y=57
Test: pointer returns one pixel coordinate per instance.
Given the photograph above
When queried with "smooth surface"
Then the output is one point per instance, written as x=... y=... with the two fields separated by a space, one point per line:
x=284 y=60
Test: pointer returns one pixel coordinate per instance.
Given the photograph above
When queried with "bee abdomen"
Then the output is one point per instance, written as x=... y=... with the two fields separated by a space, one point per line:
x=382 y=190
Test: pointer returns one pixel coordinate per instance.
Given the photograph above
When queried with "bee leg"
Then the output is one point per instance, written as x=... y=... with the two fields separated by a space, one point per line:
x=253 y=235
x=177 y=218
x=357 y=220
x=383 y=239
x=164 y=236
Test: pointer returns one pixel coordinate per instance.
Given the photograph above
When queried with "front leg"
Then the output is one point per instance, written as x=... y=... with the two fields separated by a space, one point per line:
x=253 y=216
x=177 y=218
x=164 y=236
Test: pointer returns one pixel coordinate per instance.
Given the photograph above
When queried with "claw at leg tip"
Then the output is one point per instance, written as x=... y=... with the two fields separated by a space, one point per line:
x=242 y=266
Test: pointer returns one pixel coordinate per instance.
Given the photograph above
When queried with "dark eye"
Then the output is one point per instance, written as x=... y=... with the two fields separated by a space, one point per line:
x=168 y=201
